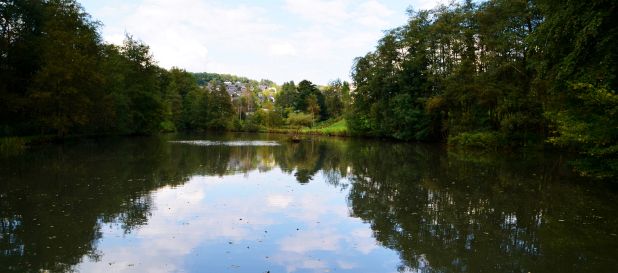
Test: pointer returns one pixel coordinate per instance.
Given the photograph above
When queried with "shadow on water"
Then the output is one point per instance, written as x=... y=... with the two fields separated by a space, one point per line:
x=441 y=211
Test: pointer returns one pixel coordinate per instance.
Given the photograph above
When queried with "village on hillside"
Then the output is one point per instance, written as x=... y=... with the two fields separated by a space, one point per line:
x=246 y=96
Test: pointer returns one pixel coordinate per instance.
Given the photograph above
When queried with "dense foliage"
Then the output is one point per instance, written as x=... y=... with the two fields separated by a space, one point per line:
x=497 y=73
x=328 y=103
x=58 y=77
x=204 y=78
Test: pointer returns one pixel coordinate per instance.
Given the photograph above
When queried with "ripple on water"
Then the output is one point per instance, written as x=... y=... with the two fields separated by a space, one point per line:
x=227 y=143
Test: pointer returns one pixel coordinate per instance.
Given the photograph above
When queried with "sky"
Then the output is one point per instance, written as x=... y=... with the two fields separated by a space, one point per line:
x=280 y=40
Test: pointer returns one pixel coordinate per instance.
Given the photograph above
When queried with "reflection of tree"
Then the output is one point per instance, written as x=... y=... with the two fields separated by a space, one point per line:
x=304 y=159
x=440 y=211
x=307 y=158
x=57 y=198
x=54 y=201
x=448 y=214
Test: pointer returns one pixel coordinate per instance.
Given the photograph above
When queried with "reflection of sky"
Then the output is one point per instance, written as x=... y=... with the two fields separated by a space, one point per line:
x=245 y=223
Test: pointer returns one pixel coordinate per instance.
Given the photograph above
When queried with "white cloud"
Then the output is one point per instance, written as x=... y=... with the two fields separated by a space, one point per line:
x=290 y=40
x=372 y=13
x=333 y=12
x=180 y=33
x=427 y=4
x=282 y=49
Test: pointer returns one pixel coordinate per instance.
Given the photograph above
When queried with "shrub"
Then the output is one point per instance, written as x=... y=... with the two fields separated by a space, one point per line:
x=167 y=126
x=299 y=119
x=485 y=140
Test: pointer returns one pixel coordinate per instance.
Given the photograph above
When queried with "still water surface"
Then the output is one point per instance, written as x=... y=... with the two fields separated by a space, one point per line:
x=252 y=203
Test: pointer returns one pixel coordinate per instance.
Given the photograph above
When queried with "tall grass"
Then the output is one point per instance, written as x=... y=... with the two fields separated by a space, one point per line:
x=327 y=128
x=12 y=145
x=339 y=128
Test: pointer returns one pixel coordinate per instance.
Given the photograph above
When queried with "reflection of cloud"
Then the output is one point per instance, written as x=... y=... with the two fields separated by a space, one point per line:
x=294 y=261
x=363 y=240
x=184 y=220
x=346 y=265
x=279 y=201
x=210 y=215
x=296 y=250
x=312 y=208
x=315 y=240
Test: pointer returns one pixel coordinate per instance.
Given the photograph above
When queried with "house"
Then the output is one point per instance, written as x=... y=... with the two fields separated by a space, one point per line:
x=235 y=89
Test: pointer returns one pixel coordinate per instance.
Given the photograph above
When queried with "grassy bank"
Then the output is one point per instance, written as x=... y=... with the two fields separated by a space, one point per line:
x=328 y=128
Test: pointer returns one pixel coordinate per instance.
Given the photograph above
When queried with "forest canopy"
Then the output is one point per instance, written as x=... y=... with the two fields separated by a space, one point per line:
x=57 y=77
x=496 y=73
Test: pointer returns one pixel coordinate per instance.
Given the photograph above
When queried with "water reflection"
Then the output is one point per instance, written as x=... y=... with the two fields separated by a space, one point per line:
x=150 y=205
x=227 y=143
x=450 y=213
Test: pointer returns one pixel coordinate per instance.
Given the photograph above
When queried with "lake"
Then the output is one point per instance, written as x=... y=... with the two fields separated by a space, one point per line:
x=258 y=203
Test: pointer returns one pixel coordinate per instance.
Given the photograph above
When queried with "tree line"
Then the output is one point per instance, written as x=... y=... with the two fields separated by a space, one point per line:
x=499 y=72
x=57 y=77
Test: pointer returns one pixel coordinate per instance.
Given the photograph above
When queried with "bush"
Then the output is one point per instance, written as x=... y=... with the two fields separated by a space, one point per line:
x=485 y=140
x=251 y=125
x=300 y=119
x=167 y=126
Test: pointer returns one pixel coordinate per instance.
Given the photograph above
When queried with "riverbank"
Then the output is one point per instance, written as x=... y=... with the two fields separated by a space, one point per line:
x=337 y=128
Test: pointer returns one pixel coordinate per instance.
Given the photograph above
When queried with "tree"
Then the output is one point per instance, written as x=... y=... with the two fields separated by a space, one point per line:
x=67 y=83
x=312 y=106
x=307 y=89
x=333 y=98
x=500 y=72
x=577 y=71
x=20 y=31
x=346 y=97
x=143 y=87
x=196 y=109
x=287 y=97
x=177 y=104
x=220 y=109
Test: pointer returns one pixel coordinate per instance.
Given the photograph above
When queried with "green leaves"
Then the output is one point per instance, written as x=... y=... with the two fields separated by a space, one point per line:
x=508 y=72
x=591 y=127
